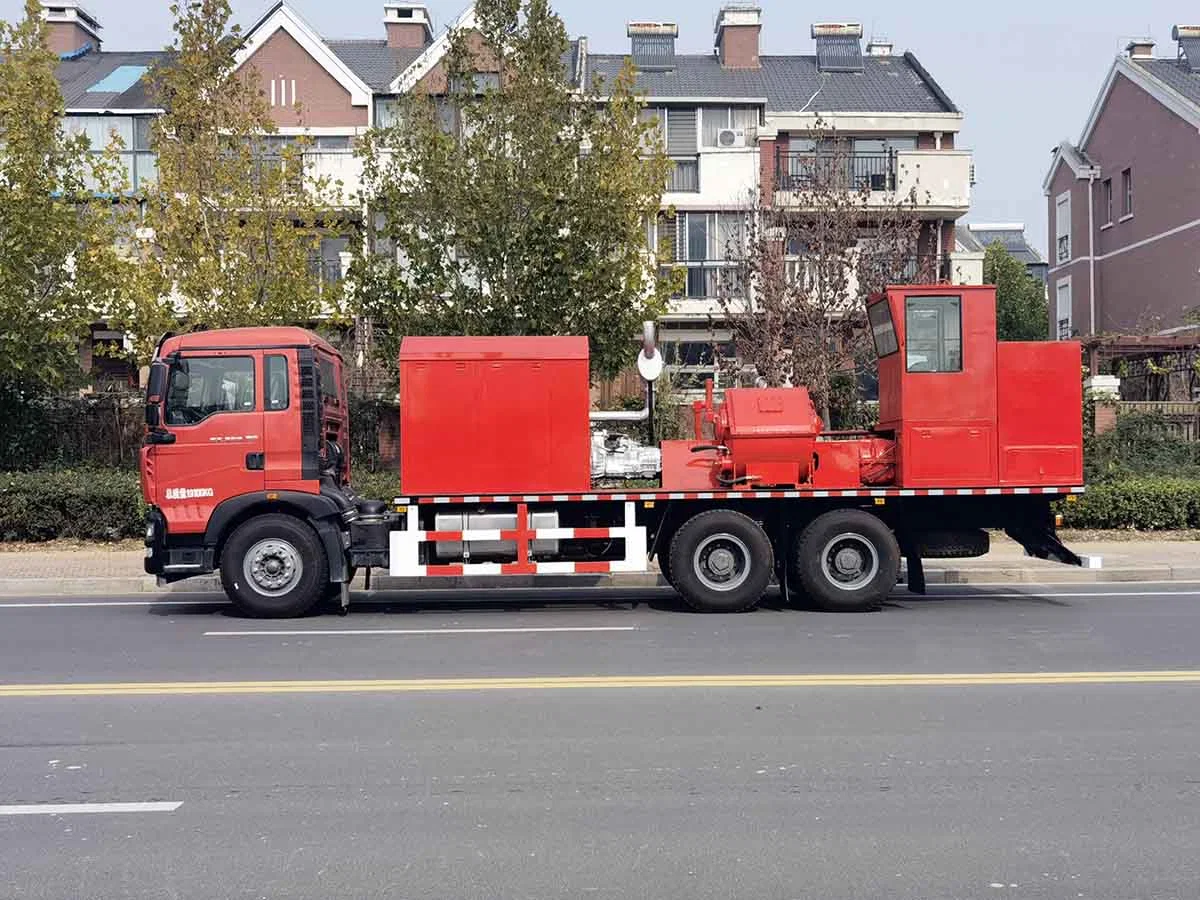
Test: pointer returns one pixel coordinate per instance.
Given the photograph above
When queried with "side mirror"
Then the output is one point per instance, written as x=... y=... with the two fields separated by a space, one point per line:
x=156 y=389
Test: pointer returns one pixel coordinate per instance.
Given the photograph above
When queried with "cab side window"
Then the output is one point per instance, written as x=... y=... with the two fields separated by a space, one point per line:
x=275 y=375
x=933 y=333
x=204 y=386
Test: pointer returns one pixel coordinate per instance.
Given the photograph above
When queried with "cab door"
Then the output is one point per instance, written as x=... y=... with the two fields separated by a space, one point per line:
x=214 y=411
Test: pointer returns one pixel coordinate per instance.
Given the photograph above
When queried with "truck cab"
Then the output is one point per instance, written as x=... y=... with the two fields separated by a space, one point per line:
x=241 y=423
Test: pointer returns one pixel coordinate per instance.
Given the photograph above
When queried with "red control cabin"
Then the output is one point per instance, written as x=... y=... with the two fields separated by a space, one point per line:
x=246 y=473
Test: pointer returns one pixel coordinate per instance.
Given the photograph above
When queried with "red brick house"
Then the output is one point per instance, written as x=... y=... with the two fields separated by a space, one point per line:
x=1123 y=202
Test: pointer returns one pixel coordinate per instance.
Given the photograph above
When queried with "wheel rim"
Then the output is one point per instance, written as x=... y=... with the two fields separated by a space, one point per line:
x=722 y=562
x=849 y=561
x=272 y=567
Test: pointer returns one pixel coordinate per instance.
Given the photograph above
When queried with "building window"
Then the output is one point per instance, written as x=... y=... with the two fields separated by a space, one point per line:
x=1062 y=228
x=933 y=333
x=742 y=120
x=1108 y=201
x=706 y=242
x=1062 y=302
x=1127 y=186
x=134 y=133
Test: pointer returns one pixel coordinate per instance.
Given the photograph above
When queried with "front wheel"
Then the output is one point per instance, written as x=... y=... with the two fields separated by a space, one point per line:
x=847 y=560
x=721 y=561
x=274 y=567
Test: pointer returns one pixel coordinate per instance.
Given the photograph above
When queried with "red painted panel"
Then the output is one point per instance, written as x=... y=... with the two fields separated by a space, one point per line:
x=683 y=470
x=494 y=415
x=1040 y=413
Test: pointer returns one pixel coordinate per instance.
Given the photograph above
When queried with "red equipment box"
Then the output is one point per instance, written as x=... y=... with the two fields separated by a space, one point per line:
x=494 y=415
x=1040 y=394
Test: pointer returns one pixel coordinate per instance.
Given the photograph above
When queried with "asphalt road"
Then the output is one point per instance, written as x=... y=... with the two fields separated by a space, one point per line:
x=981 y=743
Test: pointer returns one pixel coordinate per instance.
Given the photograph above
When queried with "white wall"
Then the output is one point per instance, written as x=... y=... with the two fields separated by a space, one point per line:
x=728 y=179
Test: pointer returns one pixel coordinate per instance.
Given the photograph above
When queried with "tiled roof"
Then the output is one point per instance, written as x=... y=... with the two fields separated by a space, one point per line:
x=788 y=83
x=375 y=62
x=1174 y=75
x=76 y=76
x=1014 y=242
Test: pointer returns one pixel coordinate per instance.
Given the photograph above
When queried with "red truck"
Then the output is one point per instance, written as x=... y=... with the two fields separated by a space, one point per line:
x=246 y=471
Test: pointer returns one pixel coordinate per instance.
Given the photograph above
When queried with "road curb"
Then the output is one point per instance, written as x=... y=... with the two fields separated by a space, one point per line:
x=208 y=584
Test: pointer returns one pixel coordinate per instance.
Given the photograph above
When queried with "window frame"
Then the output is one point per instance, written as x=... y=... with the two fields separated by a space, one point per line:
x=942 y=343
x=876 y=329
x=1127 y=190
x=254 y=407
x=287 y=383
x=1059 y=285
x=1062 y=227
x=1107 y=187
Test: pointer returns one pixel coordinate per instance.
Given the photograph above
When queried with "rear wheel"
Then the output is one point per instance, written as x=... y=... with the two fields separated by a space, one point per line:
x=274 y=567
x=721 y=561
x=847 y=560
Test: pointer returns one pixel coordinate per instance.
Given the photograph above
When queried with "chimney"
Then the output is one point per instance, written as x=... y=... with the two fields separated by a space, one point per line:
x=1140 y=48
x=408 y=25
x=737 y=36
x=73 y=30
x=652 y=44
x=879 y=46
x=1189 y=45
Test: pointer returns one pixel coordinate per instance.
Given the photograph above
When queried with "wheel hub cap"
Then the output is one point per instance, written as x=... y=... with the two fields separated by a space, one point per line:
x=850 y=561
x=273 y=567
x=722 y=562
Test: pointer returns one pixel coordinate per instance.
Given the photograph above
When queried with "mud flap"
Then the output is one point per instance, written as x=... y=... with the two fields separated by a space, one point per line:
x=1041 y=541
x=914 y=579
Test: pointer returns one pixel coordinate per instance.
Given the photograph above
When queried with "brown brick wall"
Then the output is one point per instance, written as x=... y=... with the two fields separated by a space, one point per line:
x=739 y=47
x=322 y=101
x=67 y=37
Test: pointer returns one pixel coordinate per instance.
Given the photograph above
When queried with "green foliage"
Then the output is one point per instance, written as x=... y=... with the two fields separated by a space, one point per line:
x=84 y=504
x=376 y=485
x=518 y=208
x=59 y=259
x=233 y=224
x=1140 y=444
x=1021 y=311
x=1143 y=504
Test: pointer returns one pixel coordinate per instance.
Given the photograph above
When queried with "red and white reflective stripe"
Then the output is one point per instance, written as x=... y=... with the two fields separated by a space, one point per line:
x=735 y=495
x=406 y=548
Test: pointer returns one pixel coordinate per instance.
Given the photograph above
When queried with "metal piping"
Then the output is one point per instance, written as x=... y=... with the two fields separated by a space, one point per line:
x=636 y=415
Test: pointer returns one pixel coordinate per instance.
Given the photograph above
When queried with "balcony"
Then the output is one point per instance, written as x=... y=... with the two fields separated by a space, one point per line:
x=343 y=169
x=937 y=181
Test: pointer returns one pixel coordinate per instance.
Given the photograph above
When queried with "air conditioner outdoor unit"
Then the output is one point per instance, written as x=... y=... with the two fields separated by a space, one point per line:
x=731 y=137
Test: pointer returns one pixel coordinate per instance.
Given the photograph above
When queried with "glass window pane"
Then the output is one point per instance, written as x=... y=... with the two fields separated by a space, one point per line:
x=332 y=142
x=205 y=386
x=141 y=133
x=697 y=236
x=714 y=118
x=744 y=117
x=933 y=334
x=882 y=329
x=276 y=374
x=147 y=169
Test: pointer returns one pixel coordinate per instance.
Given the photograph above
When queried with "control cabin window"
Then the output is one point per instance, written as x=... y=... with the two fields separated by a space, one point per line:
x=276 y=375
x=329 y=384
x=204 y=386
x=933 y=333
x=882 y=329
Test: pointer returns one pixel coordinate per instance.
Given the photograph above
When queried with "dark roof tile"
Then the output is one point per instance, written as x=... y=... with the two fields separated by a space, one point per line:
x=788 y=83
x=375 y=62
x=75 y=76
x=1174 y=75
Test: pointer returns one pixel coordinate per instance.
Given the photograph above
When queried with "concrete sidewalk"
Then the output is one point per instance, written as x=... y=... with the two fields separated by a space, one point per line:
x=92 y=571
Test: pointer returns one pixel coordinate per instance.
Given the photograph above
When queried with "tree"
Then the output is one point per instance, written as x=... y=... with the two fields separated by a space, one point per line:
x=234 y=224
x=799 y=276
x=60 y=220
x=511 y=203
x=1021 y=310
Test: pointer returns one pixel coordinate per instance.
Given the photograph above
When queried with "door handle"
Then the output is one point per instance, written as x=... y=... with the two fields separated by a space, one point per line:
x=256 y=461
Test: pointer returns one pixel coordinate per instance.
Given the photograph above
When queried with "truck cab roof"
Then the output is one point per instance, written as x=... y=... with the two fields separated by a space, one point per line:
x=261 y=338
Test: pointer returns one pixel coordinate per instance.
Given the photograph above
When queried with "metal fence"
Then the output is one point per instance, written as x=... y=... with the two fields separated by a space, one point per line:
x=1182 y=419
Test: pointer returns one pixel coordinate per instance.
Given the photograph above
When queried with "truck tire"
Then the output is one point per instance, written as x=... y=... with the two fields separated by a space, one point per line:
x=721 y=561
x=846 y=560
x=274 y=566
x=664 y=567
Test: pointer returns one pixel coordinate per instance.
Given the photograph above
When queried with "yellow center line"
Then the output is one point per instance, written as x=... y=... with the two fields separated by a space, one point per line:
x=417 y=685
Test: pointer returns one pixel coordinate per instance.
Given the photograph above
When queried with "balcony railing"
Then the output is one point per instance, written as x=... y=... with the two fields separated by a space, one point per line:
x=808 y=171
x=326 y=272
x=708 y=279
x=925 y=268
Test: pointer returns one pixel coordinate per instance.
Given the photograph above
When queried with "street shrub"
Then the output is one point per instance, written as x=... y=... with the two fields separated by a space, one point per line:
x=1142 y=504
x=84 y=504
x=43 y=430
x=1140 y=444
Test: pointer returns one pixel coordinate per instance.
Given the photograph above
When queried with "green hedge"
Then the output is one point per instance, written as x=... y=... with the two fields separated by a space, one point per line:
x=1142 y=504
x=84 y=504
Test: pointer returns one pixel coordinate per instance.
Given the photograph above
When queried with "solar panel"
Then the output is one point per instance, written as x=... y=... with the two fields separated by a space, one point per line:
x=1191 y=49
x=839 y=53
